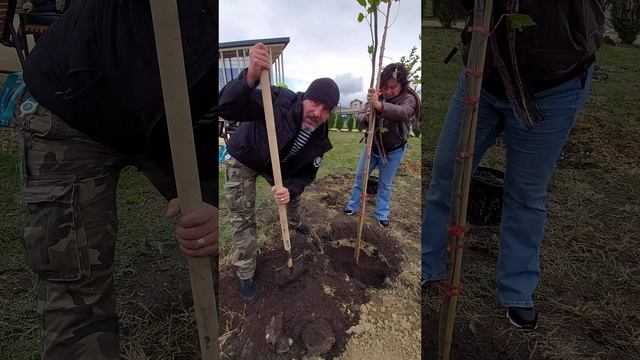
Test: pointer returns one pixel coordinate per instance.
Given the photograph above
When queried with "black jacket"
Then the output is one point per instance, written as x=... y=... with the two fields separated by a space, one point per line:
x=97 y=69
x=559 y=47
x=249 y=144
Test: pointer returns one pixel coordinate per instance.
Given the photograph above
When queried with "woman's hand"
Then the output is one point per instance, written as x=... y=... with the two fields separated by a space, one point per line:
x=372 y=98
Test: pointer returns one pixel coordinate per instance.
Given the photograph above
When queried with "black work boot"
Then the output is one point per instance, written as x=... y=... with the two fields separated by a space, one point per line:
x=248 y=290
x=302 y=229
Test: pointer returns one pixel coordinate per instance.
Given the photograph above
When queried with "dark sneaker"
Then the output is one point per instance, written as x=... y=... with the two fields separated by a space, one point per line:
x=384 y=223
x=523 y=318
x=348 y=211
x=248 y=290
x=303 y=230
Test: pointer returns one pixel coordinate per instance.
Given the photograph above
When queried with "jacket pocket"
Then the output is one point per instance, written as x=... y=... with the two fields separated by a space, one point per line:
x=55 y=241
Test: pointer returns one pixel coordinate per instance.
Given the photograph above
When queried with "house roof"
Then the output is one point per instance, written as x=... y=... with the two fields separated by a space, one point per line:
x=277 y=45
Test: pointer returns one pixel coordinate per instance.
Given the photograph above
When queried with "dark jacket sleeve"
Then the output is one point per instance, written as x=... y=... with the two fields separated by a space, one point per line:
x=239 y=102
x=296 y=185
x=363 y=117
x=400 y=112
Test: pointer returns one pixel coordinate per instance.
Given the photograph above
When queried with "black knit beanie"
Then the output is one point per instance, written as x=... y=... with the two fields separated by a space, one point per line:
x=325 y=91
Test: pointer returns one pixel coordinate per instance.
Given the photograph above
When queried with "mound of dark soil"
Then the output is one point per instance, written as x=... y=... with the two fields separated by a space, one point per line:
x=318 y=307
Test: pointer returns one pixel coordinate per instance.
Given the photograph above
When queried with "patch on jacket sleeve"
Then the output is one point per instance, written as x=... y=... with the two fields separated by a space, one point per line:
x=317 y=161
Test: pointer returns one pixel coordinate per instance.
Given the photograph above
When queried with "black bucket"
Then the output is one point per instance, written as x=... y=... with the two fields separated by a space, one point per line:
x=372 y=185
x=485 y=197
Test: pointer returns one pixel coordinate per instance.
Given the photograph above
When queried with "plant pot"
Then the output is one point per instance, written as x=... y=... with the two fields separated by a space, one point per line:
x=486 y=197
x=372 y=185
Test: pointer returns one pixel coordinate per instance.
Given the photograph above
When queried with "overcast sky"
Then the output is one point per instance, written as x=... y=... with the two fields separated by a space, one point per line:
x=325 y=38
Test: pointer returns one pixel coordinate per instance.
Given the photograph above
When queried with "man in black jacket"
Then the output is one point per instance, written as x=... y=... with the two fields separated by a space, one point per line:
x=302 y=136
x=95 y=105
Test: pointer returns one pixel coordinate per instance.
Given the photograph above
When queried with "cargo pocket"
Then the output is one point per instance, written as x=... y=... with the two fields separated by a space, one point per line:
x=55 y=243
x=239 y=188
x=234 y=195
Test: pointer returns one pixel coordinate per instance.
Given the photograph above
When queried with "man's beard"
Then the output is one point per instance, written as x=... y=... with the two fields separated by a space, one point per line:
x=307 y=126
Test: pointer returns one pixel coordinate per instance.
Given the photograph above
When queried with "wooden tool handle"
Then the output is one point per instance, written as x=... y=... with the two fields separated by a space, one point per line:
x=275 y=157
x=176 y=102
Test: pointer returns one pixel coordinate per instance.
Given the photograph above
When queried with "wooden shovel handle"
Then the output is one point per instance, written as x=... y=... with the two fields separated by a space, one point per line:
x=176 y=102
x=275 y=157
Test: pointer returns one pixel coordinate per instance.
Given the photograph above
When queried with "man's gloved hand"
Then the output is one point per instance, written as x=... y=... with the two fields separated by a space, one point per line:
x=196 y=232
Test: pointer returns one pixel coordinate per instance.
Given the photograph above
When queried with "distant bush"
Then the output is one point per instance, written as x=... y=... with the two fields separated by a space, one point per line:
x=443 y=10
x=415 y=126
x=351 y=122
x=331 y=121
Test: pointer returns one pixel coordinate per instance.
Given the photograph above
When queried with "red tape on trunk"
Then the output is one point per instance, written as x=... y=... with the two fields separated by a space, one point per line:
x=471 y=99
x=463 y=155
x=452 y=246
x=481 y=29
x=363 y=199
x=473 y=72
x=457 y=230
x=452 y=290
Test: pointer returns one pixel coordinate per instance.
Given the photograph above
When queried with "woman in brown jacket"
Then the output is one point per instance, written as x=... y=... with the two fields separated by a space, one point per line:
x=396 y=104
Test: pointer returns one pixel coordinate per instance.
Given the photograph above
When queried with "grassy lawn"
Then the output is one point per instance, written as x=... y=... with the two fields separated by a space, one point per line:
x=590 y=276
x=342 y=159
x=427 y=8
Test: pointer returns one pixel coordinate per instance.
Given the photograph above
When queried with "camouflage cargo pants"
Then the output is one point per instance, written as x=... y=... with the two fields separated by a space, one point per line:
x=240 y=186
x=70 y=234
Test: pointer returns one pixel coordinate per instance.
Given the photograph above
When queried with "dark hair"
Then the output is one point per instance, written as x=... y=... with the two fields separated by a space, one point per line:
x=397 y=69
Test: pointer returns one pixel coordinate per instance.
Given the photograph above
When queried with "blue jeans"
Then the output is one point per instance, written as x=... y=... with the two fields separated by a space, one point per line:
x=532 y=155
x=385 y=180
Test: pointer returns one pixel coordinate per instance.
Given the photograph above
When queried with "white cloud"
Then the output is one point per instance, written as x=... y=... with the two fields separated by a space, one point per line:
x=325 y=38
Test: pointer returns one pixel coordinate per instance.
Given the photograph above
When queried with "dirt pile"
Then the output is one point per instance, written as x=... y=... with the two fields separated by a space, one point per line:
x=311 y=316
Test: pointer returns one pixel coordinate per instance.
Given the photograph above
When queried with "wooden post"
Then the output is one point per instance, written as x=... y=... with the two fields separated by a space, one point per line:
x=462 y=172
x=176 y=102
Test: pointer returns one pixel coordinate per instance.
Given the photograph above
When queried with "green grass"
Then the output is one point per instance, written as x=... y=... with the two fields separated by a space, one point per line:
x=589 y=275
x=11 y=250
x=18 y=320
x=615 y=98
x=438 y=80
x=427 y=8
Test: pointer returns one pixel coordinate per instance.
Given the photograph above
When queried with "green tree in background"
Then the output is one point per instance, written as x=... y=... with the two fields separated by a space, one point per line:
x=414 y=71
x=351 y=122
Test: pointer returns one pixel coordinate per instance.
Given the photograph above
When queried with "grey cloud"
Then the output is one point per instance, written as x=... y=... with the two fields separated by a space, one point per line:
x=350 y=87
